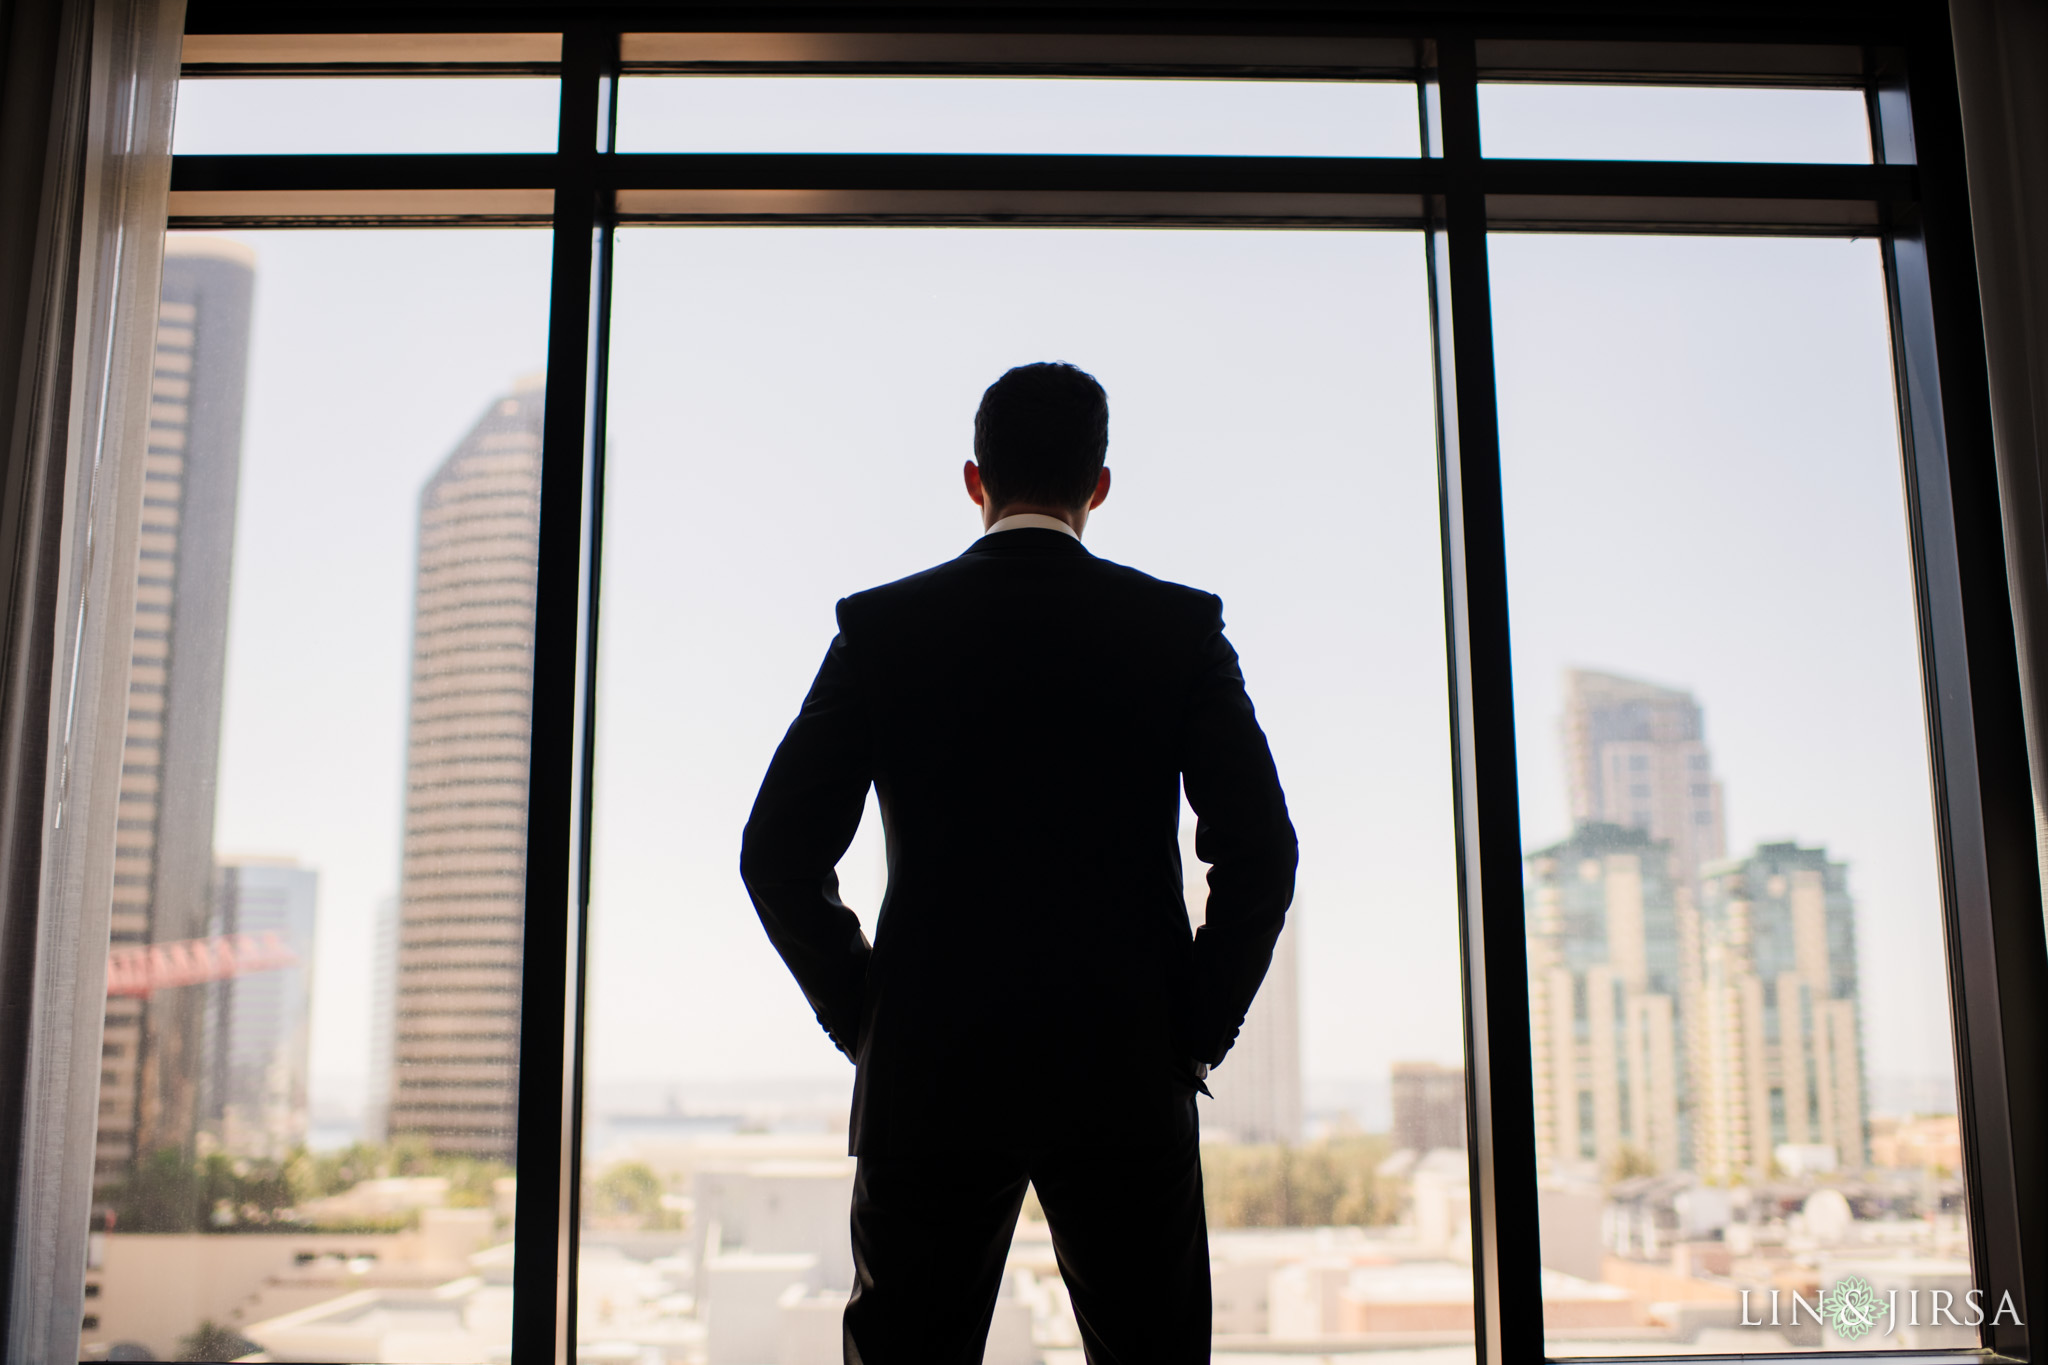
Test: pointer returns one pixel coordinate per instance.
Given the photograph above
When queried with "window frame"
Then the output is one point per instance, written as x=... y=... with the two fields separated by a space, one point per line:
x=1912 y=196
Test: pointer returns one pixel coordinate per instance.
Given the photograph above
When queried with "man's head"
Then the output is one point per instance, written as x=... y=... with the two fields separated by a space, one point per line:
x=1039 y=437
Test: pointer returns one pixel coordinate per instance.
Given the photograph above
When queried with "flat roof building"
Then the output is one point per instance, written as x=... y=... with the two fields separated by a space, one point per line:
x=259 y=1024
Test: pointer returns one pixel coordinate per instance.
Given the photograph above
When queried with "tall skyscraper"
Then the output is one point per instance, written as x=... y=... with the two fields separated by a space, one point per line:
x=258 y=1025
x=454 y=1075
x=1257 y=1090
x=383 y=1021
x=1778 y=1056
x=1607 y=963
x=1429 y=1106
x=1635 y=755
x=163 y=859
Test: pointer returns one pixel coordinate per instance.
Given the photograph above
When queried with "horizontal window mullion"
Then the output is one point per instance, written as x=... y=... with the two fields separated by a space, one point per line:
x=1311 y=175
x=228 y=174
x=1698 y=179
x=1228 y=174
x=473 y=171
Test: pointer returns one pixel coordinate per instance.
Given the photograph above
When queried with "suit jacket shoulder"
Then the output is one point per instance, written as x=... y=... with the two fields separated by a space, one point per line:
x=1117 y=585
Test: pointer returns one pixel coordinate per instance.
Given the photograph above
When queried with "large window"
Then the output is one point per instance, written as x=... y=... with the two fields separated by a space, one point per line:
x=1273 y=442
x=1741 y=1042
x=309 y=1082
x=1578 y=431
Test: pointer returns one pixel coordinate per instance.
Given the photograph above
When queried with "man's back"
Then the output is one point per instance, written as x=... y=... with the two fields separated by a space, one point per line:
x=1033 y=1013
x=1025 y=713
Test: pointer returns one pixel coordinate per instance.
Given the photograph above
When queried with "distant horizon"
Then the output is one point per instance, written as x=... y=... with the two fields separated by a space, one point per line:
x=1899 y=1084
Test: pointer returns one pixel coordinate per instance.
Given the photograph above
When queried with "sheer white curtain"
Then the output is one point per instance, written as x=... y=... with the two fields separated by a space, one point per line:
x=78 y=465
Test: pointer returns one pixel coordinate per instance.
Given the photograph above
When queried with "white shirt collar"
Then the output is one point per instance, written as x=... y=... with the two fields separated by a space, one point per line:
x=1018 y=521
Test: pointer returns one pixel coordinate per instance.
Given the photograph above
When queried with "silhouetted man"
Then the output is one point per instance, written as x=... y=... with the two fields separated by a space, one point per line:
x=1033 y=1009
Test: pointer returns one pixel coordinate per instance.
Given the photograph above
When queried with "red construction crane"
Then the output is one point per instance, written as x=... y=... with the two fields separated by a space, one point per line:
x=187 y=962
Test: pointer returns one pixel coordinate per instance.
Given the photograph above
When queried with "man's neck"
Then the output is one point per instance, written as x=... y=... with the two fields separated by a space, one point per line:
x=1030 y=521
x=1072 y=519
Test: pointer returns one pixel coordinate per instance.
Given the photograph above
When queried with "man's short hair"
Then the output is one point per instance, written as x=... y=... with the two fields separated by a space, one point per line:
x=1040 y=434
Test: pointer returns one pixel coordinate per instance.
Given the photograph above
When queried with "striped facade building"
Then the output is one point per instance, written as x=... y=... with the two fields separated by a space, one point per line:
x=455 y=1035
x=163 y=859
x=1779 y=1047
x=1609 y=969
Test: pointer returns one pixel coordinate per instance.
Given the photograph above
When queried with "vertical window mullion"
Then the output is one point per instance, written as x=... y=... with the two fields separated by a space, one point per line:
x=543 y=1312
x=1506 y=1260
x=1998 y=970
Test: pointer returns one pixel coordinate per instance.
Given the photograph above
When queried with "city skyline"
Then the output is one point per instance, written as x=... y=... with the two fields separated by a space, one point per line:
x=1688 y=1011
x=1752 y=549
x=420 y=413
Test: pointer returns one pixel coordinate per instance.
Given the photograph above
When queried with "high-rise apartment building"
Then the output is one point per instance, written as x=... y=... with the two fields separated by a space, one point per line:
x=1635 y=755
x=383 y=1021
x=1778 y=1052
x=258 y=1025
x=454 y=1074
x=1255 y=1095
x=1607 y=966
x=1699 y=1011
x=163 y=859
x=1257 y=1090
x=1429 y=1106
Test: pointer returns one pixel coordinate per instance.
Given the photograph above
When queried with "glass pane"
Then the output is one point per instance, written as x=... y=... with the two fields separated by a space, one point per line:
x=249 y=115
x=991 y=115
x=306 y=1127
x=1742 y=1036
x=1273 y=441
x=1672 y=123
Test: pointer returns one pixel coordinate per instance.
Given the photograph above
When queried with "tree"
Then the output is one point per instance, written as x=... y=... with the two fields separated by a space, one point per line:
x=168 y=1192
x=317 y=1176
x=1323 y=1184
x=211 y=1341
x=1630 y=1162
x=629 y=1194
x=471 y=1184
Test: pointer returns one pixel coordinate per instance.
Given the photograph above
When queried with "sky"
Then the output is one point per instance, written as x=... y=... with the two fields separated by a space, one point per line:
x=1702 y=488
x=897 y=114
x=1271 y=440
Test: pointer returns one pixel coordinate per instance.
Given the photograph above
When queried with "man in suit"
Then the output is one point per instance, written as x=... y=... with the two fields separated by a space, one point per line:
x=1033 y=1009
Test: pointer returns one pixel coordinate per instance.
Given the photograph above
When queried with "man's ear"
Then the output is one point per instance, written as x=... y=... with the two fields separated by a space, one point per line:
x=1101 y=489
x=972 y=473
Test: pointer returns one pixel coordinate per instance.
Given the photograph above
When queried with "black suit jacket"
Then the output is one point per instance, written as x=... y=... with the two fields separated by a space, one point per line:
x=1028 y=714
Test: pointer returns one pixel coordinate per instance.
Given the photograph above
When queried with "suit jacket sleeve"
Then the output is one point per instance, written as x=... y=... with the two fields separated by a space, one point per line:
x=1242 y=831
x=803 y=820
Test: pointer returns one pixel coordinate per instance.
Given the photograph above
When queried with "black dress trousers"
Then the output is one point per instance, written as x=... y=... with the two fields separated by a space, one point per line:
x=931 y=1233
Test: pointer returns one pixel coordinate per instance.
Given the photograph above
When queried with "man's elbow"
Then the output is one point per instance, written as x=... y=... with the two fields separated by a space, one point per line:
x=1281 y=848
x=756 y=863
x=1282 y=861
